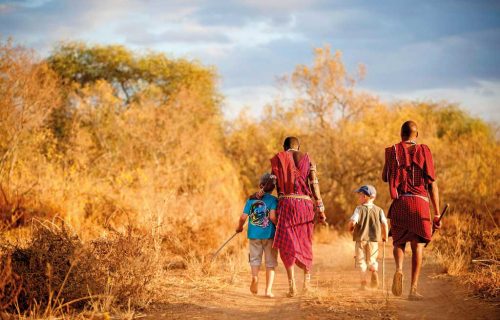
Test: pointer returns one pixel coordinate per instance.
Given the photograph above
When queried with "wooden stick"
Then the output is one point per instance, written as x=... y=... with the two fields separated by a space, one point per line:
x=223 y=245
x=383 y=266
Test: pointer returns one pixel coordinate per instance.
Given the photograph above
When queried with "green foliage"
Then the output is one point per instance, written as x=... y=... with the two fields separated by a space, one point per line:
x=454 y=123
x=130 y=73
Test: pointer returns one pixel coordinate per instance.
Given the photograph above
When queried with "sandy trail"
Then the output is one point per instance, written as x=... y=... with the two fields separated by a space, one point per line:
x=335 y=295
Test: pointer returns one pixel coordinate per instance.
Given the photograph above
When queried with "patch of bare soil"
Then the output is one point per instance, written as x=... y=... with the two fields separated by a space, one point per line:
x=335 y=295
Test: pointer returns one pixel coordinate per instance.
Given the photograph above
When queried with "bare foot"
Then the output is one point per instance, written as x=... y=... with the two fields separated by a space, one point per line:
x=254 y=285
x=292 y=289
x=414 y=295
x=374 y=280
x=307 y=283
x=363 y=286
x=269 y=295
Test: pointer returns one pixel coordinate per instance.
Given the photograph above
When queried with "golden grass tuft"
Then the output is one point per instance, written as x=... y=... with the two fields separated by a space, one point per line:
x=467 y=247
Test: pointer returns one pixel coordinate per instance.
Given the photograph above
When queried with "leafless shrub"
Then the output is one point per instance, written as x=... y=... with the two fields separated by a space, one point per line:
x=55 y=268
x=131 y=264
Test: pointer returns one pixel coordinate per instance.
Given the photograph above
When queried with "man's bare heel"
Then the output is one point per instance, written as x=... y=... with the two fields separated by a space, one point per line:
x=414 y=295
x=307 y=283
x=292 y=289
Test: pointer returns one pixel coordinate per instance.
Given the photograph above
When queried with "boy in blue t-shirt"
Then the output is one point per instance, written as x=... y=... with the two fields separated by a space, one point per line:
x=261 y=227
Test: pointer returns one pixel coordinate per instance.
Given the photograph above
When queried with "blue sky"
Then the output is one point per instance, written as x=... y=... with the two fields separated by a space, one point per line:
x=421 y=49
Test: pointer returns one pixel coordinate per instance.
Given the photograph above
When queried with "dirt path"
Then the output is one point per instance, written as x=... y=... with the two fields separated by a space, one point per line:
x=335 y=296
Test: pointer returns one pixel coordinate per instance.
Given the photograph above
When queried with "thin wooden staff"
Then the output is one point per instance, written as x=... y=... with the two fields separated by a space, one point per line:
x=383 y=266
x=445 y=209
x=223 y=245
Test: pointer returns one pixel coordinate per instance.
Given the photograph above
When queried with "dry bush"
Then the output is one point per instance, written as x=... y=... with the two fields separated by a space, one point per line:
x=29 y=91
x=132 y=264
x=55 y=269
x=484 y=278
x=467 y=247
x=10 y=284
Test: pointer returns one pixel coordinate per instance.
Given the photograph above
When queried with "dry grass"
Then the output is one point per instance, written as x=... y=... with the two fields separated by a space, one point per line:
x=467 y=247
x=59 y=272
x=56 y=270
x=10 y=284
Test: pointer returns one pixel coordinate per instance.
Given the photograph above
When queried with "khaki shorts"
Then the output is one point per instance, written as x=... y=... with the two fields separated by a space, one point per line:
x=260 y=246
x=366 y=255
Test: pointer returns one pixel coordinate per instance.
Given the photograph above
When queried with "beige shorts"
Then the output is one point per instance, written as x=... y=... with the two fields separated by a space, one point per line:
x=366 y=255
x=259 y=247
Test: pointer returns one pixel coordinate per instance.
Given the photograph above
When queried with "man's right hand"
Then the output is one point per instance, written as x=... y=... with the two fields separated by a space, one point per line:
x=436 y=223
x=322 y=218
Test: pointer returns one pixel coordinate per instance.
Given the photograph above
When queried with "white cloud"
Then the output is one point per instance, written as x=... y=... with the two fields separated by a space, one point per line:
x=481 y=99
x=287 y=5
x=251 y=98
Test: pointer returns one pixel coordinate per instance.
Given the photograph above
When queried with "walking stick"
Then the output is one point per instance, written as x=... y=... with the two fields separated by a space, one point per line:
x=223 y=245
x=383 y=266
x=445 y=209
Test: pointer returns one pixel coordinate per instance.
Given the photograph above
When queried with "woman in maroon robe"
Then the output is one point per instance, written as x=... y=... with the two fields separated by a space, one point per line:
x=409 y=171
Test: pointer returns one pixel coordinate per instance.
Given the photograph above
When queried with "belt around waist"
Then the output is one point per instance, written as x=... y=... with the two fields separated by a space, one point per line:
x=415 y=195
x=294 y=196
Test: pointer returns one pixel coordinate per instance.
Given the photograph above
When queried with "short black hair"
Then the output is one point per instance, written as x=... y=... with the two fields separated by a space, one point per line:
x=409 y=130
x=291 y=143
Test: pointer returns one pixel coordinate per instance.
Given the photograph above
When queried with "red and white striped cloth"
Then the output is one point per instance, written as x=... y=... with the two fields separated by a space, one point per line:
x=410 y=220
x=294 y=231
x=409 y=170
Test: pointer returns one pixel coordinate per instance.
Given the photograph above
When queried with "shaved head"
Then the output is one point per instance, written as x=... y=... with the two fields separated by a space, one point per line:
x=409 y=130
x=291 y=143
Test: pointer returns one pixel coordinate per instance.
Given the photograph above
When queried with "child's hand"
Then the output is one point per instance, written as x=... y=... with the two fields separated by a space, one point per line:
x=239 y=229
x=273 y=217
x=257 y=196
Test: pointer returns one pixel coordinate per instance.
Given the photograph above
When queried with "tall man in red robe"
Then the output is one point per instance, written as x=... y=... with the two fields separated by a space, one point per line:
x=298 y=199
x=409 y=171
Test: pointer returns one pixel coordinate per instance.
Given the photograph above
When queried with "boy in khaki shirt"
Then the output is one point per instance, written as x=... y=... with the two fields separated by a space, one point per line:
x=368 y=225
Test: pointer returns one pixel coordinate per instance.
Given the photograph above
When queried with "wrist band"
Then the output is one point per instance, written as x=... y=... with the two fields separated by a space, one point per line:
x=321 y=207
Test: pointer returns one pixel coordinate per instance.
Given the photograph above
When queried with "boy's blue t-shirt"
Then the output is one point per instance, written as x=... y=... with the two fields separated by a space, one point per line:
x=259 y=224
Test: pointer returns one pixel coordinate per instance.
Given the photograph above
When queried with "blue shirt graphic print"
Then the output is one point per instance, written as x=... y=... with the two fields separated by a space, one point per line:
x=259 y=223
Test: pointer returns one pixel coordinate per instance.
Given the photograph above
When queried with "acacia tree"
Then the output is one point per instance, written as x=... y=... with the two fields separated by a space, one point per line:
x=130 y=73
x=132 y=76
